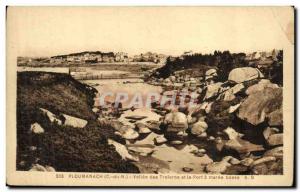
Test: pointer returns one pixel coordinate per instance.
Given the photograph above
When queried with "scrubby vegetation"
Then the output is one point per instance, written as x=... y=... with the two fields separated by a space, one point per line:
x=62 y=147
x=55 y=92
x=224 y=62
x=219 y=118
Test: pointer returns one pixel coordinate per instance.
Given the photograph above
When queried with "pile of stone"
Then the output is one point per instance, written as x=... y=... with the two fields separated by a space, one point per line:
x=179 y=81
x=243 y=116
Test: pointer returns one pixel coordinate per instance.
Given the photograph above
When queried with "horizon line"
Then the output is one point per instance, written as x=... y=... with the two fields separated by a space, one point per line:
x=174 y=55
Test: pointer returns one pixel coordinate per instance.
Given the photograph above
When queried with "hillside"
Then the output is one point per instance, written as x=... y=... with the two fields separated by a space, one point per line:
x=61 y=146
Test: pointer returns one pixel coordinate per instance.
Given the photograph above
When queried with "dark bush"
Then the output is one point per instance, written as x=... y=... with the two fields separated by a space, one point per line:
x=223 y=61
x=219 y=118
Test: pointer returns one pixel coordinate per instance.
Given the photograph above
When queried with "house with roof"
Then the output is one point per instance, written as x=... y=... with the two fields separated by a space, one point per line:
x=108 y=57
x=121 y=57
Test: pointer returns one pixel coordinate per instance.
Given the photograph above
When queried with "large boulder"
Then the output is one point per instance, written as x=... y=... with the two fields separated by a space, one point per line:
x=243 y=74
x=260 y=104
x=176 y=122
x=179 y=120
x=212 y=90
x=199 y=128
x=261 y=85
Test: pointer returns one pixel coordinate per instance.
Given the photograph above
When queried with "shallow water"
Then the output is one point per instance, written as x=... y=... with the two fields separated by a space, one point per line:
x=176 y=157
x=135 y=86
x=165 y=158
x=131 y=87
x=44 y=69
x=91 y=70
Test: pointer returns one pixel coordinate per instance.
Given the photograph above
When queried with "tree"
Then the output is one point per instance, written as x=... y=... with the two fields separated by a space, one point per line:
x=276 y=70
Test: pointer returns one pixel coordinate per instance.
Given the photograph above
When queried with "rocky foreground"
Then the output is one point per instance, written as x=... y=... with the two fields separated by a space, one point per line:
x=234 y=127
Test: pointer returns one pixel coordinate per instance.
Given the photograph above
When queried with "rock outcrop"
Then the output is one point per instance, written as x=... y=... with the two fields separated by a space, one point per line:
x=260 y=104
x=243 y=74
x=240 y=117
x=260 y=86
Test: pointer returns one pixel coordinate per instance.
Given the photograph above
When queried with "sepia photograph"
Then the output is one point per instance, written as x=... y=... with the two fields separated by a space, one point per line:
x=150 y=96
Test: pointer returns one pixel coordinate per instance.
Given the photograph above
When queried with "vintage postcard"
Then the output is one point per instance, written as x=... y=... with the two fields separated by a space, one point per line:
x=150 y=96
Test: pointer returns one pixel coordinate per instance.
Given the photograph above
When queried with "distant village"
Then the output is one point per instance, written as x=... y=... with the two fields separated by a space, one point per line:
x=92 y=57
x=262 y=59
x=256 y=59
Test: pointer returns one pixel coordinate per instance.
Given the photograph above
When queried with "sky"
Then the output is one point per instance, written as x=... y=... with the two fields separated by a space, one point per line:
x=48 y=31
